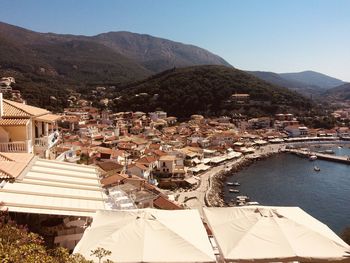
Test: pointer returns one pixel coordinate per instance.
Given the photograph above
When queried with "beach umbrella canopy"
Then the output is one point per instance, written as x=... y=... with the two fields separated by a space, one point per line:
x=262 y=233
x=148 y=235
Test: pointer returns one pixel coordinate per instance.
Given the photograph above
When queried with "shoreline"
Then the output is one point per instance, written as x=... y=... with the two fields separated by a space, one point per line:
x=209 y=192
x=215 y=194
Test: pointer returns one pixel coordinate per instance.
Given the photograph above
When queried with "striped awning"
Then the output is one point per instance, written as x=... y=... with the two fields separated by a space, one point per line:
x=13 y=122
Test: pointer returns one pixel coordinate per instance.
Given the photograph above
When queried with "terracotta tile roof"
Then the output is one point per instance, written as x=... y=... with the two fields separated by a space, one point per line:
x=103 y=150
x=147 y=160
x=12 y=164
x=113 y=179
x=139 y=165
x=10 y=111
x=15 y=109
x=49 y=117
x=109 y=166
x=163 y=203
x=13 y=122
x=167 y=158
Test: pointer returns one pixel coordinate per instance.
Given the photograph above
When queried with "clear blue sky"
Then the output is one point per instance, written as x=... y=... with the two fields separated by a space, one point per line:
x=267 y=35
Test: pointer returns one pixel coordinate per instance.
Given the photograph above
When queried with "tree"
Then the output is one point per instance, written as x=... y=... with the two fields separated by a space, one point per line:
x=101 y=253
x=17 y=244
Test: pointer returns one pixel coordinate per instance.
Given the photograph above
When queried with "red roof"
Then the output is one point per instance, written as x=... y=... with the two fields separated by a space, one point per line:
x=163 y=203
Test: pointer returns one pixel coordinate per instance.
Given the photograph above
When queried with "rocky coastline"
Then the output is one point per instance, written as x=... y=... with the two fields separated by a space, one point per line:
x=215 y=194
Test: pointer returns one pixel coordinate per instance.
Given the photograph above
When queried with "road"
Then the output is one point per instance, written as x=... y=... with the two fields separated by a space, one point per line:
x=194 y=199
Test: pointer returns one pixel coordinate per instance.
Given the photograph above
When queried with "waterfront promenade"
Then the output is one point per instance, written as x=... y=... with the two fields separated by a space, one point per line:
x=198 y=198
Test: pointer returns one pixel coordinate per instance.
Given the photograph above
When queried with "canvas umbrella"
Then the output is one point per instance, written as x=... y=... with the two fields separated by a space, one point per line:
x=262 y=233
x=148 y=235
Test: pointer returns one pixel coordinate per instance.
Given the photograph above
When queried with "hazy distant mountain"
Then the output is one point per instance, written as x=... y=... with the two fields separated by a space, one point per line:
x=308 y=83
x=297 y=86
x=313 y=78
x=339 y=93
x=158 y=54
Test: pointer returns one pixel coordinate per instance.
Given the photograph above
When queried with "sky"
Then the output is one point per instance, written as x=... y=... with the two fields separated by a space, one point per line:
x=265 y=35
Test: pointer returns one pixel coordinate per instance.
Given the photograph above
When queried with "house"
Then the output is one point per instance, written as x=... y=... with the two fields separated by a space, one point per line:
x=120 y=179
x=140 y=170
x=149 y=161
x=296 y=130
x=240 y=98
x=171 y=166
x=25 y=128
x=110 y=167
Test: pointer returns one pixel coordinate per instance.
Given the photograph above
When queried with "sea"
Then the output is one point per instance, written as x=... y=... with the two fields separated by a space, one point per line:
x=289 y=180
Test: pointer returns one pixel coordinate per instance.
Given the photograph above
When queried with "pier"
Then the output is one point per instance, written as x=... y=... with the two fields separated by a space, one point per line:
x=321 y=156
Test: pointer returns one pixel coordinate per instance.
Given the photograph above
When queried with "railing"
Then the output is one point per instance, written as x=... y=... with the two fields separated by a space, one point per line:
x=20 y=146
x=47 y=141
x=41 y=142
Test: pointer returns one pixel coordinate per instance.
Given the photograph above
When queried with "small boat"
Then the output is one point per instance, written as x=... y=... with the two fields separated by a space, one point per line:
x=241 y=198
x=236 y=184
x=231 y=190
x=229 y=183
x=317 y=169
x=252 y=203
x=312 y=157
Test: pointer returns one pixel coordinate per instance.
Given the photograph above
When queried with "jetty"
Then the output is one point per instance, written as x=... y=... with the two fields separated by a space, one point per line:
x=321 y=156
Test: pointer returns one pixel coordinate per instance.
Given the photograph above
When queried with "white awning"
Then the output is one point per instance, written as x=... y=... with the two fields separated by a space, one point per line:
x=262 y=233
x=52 y=187
x=148 y=235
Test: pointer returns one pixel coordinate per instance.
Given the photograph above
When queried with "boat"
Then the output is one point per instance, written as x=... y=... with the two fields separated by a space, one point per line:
x=231 y=190
x=242 y=198
x=317 y=169
x=252 y=203
x=229 y=183
x=312 y=157
x=236 y=184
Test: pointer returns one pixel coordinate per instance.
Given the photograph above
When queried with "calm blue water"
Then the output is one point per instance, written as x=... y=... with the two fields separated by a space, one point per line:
x=289 y=180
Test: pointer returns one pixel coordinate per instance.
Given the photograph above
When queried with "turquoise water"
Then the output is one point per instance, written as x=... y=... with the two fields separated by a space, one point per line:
x=289 y=180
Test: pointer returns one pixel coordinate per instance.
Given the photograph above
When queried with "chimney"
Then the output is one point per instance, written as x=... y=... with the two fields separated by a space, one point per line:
x=1 y=106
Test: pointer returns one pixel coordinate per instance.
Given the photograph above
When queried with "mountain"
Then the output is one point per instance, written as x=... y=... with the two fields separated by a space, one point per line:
x=340 y=93
x=307 y=83
x=157 y=54
x=207 y=90
x=313 y=78
x=47 y=64
x=277 y=79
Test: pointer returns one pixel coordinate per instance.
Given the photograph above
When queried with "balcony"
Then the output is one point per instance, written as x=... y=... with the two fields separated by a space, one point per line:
x=47 y=142
x=15 y=147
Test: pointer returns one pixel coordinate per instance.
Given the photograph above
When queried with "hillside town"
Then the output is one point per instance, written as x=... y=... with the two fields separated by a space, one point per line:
x=58 y=169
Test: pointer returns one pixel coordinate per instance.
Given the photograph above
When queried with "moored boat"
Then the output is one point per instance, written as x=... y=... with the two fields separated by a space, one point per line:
x=231 y=190
x=312 y=157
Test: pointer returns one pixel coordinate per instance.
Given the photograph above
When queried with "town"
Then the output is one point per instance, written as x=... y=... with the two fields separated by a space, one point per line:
x=58 y=169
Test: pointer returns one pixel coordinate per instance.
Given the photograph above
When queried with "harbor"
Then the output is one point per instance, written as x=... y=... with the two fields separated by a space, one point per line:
x=322 y=156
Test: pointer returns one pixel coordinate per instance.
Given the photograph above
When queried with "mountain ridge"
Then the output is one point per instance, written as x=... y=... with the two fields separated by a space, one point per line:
x=207 y=90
